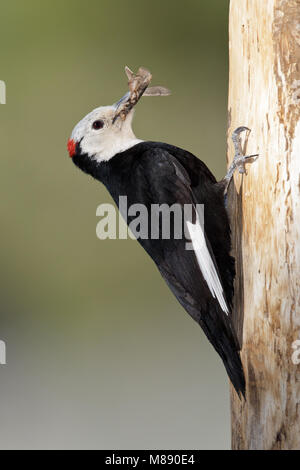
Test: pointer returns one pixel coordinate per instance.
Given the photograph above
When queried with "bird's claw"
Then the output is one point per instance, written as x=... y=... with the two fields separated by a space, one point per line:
x=236 y=139
x=239 y=130
x=239 y=160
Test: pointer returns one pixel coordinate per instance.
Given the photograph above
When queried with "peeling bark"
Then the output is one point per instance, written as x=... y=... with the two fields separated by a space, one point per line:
x=264 y=95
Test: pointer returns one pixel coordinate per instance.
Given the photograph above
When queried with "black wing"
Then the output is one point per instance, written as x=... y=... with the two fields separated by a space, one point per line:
x=162 y=179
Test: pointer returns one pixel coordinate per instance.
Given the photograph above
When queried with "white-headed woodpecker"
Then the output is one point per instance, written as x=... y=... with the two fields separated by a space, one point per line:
x=103 y=145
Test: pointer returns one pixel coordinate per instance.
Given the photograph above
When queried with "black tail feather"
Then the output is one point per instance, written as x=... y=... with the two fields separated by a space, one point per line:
x=234 y=368
x=219 y=329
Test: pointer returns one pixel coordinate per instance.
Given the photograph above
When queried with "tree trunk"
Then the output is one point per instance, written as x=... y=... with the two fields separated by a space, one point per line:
x=264 y=95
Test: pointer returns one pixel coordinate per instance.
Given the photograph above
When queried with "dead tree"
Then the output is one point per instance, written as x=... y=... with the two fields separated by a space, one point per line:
x=264 y=95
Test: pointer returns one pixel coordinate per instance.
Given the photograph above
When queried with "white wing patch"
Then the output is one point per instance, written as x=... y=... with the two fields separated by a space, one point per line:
x=206 y=263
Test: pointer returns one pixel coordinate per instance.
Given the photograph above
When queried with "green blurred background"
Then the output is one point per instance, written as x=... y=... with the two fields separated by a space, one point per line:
x=99 y=353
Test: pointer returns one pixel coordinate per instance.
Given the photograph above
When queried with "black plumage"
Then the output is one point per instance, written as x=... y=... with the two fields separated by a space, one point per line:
x=157 y=173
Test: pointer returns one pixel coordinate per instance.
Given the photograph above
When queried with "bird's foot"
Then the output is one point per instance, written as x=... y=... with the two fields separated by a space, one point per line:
x=239 y=159
x=239 y=162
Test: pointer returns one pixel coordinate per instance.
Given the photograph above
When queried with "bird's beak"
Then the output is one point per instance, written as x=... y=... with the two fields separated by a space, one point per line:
x=121 y=101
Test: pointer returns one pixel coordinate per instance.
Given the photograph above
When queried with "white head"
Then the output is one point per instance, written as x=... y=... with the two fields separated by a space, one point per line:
x=107 y=130
x=100 y=136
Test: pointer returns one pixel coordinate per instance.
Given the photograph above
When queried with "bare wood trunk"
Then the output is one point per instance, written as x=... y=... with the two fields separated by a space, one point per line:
x=264 y=94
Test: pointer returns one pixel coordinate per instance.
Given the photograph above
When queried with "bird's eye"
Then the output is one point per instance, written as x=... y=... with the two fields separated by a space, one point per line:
x=98 y=124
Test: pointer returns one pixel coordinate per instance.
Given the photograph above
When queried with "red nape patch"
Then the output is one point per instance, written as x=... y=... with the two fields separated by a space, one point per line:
x=71 y=147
